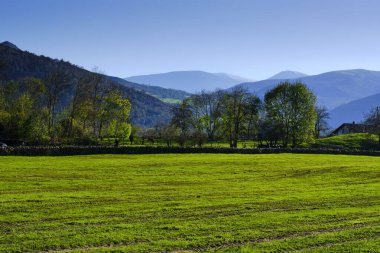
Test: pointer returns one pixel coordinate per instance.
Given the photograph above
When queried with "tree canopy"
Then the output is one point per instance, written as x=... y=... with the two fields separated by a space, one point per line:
x=291 y=106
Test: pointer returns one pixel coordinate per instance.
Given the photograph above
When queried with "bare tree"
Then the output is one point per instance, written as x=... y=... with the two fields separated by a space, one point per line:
x=207 y=111
x=373 y=119
x=321 y=124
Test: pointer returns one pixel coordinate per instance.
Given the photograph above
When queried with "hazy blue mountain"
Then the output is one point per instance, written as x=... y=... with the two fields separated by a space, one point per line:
x=146 y=111
x=235 y=77
x=353 y=111
x=190 y=81
x=288 y=75
x=332 y=88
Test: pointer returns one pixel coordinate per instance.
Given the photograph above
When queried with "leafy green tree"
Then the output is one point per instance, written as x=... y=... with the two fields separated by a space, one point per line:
x=118 y=109
x=21 y=110
x=292 y=107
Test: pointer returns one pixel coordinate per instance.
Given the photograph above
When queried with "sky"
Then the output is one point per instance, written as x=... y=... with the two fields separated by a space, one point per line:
x=251 y=38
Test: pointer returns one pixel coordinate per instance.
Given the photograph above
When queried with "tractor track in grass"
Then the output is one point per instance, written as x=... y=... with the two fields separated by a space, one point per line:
x=292 y=236
x=333 y=244
x=221 y=246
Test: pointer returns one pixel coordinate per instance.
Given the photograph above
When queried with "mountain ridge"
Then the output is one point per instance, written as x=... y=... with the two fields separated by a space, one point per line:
x=191 y=81
x=354 y=111
x=287 y=74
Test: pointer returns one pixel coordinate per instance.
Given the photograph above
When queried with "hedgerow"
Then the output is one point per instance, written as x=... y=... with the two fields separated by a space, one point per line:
x=89 y=150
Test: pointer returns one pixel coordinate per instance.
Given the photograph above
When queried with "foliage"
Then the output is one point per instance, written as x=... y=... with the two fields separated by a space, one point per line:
x=31 y=110
x=192 y=202
x=182 y=119
x=292 y=107
x=238 y=107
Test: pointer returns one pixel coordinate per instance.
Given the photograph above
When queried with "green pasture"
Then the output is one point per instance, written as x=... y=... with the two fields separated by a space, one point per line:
x=192 y=202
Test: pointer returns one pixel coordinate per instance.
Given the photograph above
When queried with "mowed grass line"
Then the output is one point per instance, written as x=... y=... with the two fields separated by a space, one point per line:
x=190 y=202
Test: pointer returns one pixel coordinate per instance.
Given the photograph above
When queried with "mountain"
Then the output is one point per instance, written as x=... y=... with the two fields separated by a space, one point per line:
x=353 y=111
x=147 y=110
x=235 y=77
x=189 y=81
x=288 y=75
x=332 y=88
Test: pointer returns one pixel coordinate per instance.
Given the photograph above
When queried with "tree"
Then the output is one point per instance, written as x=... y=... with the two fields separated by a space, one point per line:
x=270 y=132
x=373 y=119
x=21 y=110
x=182 y=118
x=292 y=107
x=207 y=112
x=321 y=124
x=56 y=82
x=169 y=134
x=238 y=106
x=254 y=107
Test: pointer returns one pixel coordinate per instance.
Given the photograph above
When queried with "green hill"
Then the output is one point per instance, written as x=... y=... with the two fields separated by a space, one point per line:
x=347 y=141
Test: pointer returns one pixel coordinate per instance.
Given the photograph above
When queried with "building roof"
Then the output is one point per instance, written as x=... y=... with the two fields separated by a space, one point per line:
x=353 y=128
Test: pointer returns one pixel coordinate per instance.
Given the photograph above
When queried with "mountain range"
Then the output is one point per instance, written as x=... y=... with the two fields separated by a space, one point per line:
x=332 y=88
x=189 y=81
x=354 y=111
x=347 y=94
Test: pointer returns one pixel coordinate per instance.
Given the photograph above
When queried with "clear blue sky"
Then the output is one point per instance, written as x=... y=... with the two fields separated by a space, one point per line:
x=251 y=38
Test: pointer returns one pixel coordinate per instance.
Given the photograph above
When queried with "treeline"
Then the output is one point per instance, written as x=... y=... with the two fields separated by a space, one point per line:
x=62 y=109
x=288 y=116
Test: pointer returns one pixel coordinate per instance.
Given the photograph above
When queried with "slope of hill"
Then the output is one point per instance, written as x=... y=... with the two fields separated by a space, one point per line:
x=156 y=91
x=332 y=88
x=190 y=81
x=288 y=75
x=146 y=110
x=347 y=141
x=353 y=111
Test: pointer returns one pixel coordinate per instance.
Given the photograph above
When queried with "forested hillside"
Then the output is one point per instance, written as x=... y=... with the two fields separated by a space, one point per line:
x=17 y=65
x=156 y=91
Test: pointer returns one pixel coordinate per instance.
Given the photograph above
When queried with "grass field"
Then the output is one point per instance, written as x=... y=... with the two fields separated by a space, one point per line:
x=184 y=203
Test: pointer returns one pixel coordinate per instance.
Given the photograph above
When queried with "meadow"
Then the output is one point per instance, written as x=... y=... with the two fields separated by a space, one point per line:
x=190 y=202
